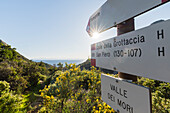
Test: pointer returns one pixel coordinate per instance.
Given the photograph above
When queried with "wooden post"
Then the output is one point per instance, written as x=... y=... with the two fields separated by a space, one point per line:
x=122 y=28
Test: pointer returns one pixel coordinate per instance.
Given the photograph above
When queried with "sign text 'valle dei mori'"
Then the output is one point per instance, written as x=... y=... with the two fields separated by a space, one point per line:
x=125 y=97
x=144 y=52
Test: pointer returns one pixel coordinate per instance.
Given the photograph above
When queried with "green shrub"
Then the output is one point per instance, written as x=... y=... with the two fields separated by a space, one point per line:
x=10 y=102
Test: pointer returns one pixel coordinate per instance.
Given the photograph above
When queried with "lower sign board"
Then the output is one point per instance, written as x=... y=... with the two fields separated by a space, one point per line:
x=125 y=97
x=144 y=52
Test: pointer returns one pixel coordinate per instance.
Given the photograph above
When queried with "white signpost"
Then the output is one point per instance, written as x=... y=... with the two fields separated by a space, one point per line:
x=125 y=97
x=114 y=12
x=143 y=52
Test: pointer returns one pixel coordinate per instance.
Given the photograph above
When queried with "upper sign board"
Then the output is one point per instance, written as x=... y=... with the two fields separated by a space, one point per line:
x=114 y=12
x=125 y=97
x=144 y=52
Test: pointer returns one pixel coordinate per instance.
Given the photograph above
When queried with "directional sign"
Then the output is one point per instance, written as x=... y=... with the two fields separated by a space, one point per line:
x=125 y=97
x=144 y=52
x=114 y=12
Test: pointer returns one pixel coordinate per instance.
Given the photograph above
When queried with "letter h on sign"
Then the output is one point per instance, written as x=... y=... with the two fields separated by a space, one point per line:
x=161 y=51
x=160 y=34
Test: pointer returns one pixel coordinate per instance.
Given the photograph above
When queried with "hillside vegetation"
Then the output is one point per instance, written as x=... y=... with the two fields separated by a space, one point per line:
x=30 y=87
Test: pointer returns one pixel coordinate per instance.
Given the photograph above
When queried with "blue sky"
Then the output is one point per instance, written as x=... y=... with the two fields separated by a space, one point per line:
x=56 y=29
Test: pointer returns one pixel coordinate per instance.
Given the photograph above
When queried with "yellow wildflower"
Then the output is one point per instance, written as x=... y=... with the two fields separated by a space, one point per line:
x=88 y=100
x=64 y=78
x=99 y=105
x=98 y=82
x=52 y=97
x=47 y=97
x=96 y=111
x=57 y=79
x=42 y=94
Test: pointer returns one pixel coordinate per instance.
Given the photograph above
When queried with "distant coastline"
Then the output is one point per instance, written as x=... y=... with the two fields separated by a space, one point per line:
x=52 y=62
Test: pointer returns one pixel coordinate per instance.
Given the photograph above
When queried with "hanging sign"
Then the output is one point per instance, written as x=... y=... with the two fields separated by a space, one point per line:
x=125 y=97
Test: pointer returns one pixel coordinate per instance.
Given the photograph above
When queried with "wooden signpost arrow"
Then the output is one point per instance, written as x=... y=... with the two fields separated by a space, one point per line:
x=114 y=12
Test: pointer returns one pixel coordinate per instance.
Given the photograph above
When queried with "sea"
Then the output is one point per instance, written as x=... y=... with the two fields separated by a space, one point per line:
x=52 y=62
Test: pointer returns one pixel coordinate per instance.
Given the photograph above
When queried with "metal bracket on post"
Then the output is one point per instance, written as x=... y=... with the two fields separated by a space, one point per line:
x=122 y=28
